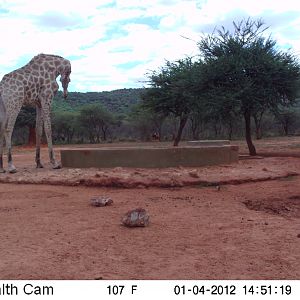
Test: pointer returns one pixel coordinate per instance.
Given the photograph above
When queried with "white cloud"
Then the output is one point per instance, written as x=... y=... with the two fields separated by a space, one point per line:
x=112 y=44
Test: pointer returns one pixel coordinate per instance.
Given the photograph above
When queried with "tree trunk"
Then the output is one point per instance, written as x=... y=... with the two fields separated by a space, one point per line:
x=194 y=126
x=230 y=129
x=104 y=131
x=285 y=125
x=180 y=130
x=31 y=136
x=159 y=133
x=158 y=123
x=217 y=128
x=91 y=138
x=97 y=139
x=258 y=131
x=252 y=150
x=70 y=136
x=195 y=131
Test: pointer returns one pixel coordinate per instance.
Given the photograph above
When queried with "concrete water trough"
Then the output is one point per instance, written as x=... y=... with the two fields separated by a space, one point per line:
x=148 y=157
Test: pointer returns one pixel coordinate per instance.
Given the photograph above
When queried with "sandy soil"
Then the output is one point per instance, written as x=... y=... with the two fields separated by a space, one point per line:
x=239 y=221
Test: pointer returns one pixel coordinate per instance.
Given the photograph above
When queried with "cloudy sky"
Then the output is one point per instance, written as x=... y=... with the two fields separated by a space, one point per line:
x=112 y=44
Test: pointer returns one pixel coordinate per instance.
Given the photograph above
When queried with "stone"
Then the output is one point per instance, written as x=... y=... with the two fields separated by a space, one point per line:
x=99 y=174
x=118 y=169
x=136 y=218
x=101 y=201
x=194 y=173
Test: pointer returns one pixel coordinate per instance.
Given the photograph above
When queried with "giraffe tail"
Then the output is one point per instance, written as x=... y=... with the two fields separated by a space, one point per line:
x=2 y=115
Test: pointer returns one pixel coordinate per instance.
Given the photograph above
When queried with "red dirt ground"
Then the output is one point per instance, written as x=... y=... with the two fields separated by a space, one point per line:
x=239 y=221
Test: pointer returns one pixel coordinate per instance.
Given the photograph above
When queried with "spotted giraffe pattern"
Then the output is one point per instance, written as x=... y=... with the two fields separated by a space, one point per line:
x=34 y=84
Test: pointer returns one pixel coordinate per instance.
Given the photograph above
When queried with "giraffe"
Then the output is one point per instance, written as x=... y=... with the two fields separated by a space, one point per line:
x=33 y=84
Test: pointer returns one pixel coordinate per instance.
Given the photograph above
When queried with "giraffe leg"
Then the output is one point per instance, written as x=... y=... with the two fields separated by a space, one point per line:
x=39 y=132
x=11 y=167
x=8 y=134
x=2 y=128
x=48 y=132
x=1 y=152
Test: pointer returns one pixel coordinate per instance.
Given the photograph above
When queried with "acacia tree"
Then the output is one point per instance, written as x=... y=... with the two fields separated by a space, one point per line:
x=64 y=125
x=96 y=121
x=171 y=91
x=246 y=72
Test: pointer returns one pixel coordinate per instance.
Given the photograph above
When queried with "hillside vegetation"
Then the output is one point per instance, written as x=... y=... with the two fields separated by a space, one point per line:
x=117 y=101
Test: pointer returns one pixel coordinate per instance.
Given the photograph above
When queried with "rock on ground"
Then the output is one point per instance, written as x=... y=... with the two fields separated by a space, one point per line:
x=136 y=218
x=101 y=201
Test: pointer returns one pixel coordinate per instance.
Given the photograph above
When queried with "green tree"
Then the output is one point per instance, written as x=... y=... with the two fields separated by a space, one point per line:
x=171 y=91
x=64 y=125
x=246 y=72
x=96 y=121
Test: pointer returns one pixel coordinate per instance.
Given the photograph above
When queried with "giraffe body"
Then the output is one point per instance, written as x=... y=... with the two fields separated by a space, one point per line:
x=33 y=84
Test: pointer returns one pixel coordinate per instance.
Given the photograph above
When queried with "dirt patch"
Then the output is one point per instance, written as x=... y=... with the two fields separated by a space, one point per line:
x=8 y=209
x=194 y=233
x=200 y=227
x=286 y=207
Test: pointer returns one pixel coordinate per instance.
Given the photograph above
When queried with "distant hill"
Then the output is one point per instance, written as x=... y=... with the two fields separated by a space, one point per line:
x=117 y=101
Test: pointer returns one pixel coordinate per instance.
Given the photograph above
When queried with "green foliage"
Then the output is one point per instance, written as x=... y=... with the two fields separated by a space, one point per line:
x=239 y=74
x=172 y=91
x=95 y=120
x=118 y=101
x=246 y=74
x=64 y=125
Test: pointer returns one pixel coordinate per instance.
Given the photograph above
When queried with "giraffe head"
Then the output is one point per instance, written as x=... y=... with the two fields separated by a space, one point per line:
x=65 y=77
